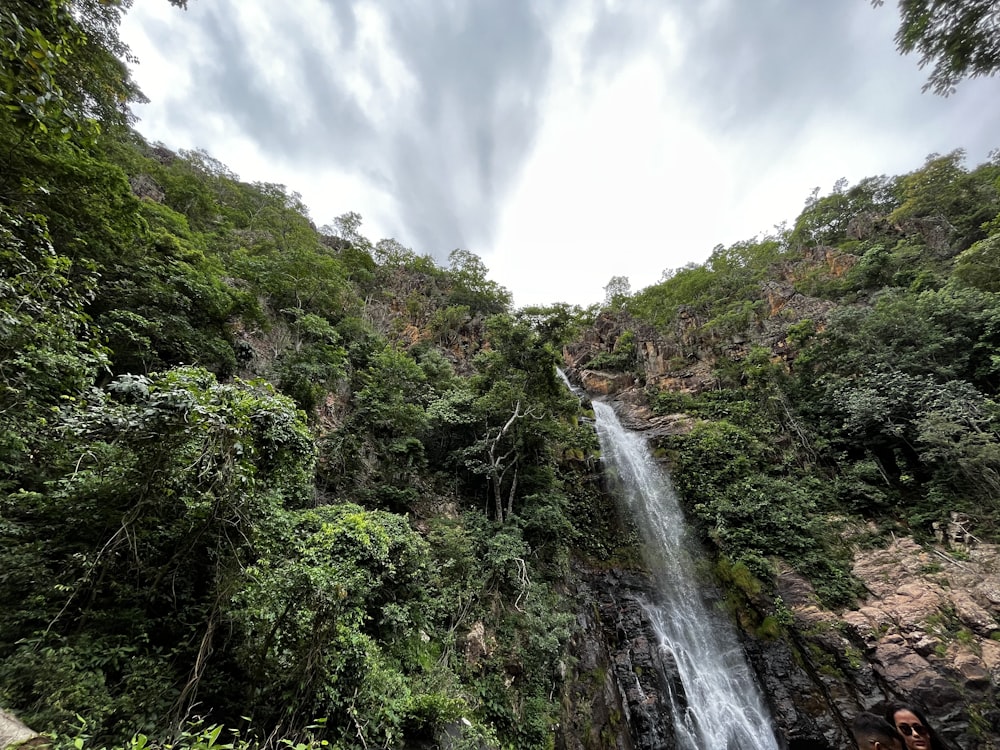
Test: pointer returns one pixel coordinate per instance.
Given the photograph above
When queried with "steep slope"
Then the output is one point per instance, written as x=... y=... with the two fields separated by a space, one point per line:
x=826 y=400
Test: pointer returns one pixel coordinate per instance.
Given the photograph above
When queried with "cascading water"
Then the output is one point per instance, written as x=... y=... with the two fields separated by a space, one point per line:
x=714 y=698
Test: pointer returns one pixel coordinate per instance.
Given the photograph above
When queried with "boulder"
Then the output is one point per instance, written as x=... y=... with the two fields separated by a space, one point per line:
x=14 y=732
x=600 y=383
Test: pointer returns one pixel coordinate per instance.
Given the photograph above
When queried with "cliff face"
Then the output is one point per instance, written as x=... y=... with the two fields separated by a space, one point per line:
x=683 y=358
x=927 y=631
x=615 y=694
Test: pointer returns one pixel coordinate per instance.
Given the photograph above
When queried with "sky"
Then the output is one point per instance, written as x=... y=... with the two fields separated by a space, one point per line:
x=563 y=141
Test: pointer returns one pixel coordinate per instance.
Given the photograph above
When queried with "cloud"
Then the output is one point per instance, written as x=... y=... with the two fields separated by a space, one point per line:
x=565 y=141
x=777 y=71
x=438 y=102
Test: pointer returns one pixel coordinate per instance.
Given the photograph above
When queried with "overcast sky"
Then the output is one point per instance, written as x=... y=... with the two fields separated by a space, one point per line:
x=563 y=142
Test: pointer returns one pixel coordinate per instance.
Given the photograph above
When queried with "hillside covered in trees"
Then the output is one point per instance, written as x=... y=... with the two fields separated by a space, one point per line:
x=847 y=364
x=823 y=391
x=312 y=488
x=251 y=470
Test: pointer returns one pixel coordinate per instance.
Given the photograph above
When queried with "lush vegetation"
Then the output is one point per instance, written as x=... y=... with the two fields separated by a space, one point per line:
x=318 y=489
x=849 y=371
x=289 y=481
x=957 y=39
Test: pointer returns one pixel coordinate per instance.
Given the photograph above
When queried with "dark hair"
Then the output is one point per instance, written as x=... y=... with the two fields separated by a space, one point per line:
x=933 y=737
x=868 y=728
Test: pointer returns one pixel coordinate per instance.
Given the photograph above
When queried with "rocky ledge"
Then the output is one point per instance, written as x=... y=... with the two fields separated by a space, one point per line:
x=927 y=632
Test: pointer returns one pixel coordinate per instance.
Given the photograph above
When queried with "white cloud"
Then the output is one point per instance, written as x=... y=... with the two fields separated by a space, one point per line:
x=379 y=78
x=621 y=182
x=574 y=142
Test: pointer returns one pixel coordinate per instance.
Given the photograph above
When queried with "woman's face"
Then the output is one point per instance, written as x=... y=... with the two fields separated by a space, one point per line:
x=913 y=731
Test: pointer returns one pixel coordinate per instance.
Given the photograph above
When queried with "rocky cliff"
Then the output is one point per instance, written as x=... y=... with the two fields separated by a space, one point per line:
x=615 y=694
x=683 y=358
x=928 y=630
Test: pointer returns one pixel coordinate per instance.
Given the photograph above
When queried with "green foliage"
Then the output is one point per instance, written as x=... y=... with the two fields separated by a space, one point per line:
x=163 y=302
x=39 y=37
x=173 y=539
x=447 y=322
x=720 y=294
x=800 y=333
x=311 y=367
x=832 y=219
x=472 y=288
x=946 y=334
x=61 y=70
x=167 y=543
x=893 y=401
x=282 y=256
x=748 y=474
x=321 y=608
x=979 y=266
x=152 y=506
x=944 y=190
x=560 y=323
x=617 y=292
x=516 y=401
x=671 y=402
x=689 y=287
x=751 y=514
x=959 y=39
x=47 y=350
x=903 y=232
x=623 y=358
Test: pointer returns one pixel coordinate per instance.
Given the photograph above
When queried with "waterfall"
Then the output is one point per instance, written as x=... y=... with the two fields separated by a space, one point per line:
x=713 y=695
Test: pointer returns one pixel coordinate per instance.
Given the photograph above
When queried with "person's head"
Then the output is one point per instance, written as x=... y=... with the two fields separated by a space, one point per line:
x=872 y=732
x=913 y=727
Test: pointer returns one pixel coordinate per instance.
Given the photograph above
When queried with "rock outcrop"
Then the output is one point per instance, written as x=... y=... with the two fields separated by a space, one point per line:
x=684 y=358
x=14 y=733
x=928 y=632
x=615 y=695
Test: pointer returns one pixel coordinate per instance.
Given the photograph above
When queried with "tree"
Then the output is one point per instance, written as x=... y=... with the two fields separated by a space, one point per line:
x=315 y=614
x=617 y=290
x=559 y=323
x=37 y=42
x=348 y=228
x=48 y=352
x=516 y=396
x=960 y=38
x=829 y=220
x=472 y=287
x=979 y=266
x=159 y=492
x=63 y=65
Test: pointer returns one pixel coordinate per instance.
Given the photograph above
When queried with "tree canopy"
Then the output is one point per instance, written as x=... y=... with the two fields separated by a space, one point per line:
x=326 y=492
x=957 y=39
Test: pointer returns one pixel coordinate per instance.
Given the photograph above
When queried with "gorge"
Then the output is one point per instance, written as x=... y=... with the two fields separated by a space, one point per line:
x=267 y=485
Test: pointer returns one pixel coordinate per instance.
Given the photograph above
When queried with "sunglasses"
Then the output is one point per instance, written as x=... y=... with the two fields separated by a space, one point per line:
x=910 y=729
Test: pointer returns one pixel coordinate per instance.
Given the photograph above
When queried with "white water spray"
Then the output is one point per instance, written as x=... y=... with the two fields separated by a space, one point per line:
x=718 y=705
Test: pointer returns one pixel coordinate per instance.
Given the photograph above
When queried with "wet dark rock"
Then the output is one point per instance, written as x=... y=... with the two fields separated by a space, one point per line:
x=617 y=693
x=926 y=633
